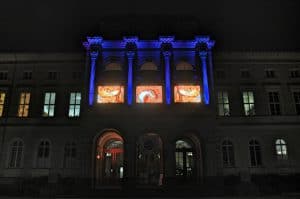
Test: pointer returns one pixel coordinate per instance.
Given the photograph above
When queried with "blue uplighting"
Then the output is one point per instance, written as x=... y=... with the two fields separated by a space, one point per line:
x=94 y=56
x=130 y=56
x=167 y=77
x=203 y=56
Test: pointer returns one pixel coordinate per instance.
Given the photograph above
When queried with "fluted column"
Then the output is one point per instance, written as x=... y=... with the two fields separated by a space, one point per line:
x=130 y=57
x=167 y=55
x=93 y=57
x=203 y=57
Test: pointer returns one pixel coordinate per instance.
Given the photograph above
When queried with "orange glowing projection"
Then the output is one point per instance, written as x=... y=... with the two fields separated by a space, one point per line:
x=187 y=94
x=149 y=94
x=110 y=94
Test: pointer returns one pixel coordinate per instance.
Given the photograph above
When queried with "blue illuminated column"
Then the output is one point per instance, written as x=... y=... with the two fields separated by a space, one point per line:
x=130 y=57
x=167 y=55
x=93 y=56
x=203 y=56
x=210 y=45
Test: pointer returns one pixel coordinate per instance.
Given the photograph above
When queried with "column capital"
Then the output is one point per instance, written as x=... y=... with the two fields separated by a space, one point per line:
x=93 y=43
x=203 y=54
x=131 y=39
x=166 y=39
x=204 y=39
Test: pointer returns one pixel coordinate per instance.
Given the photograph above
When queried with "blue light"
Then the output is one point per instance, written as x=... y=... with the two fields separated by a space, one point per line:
x=203 y=56
x=167 y=76
x=94 y=56
x=130 y=56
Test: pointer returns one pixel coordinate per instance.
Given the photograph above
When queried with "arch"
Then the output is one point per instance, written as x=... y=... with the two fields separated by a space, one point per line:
x=109 y=158
x=149 y=159
x=184 y=65
x=113 y=66
x=16 y=149
x=149 y=65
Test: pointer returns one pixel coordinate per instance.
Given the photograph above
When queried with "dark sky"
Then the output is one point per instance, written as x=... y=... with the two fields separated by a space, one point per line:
x=40 y=25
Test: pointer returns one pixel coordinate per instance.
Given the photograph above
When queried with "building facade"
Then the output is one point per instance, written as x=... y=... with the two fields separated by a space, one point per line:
x=149 y=114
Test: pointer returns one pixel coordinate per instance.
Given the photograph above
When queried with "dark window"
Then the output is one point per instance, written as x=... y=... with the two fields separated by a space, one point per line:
x=16 y=153
x=3 y=75
x=43 y=155
x=228 y=153
x=76 y=75
x=245 y=74
x=255 y=153
x=297 y=102
x=270 y=73
x=52 y=75
x=274 y=103
x=70 y=154
x=27 y=75
x=294 y=73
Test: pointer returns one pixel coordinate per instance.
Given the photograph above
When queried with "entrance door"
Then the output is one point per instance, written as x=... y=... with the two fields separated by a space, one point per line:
x=109 y=159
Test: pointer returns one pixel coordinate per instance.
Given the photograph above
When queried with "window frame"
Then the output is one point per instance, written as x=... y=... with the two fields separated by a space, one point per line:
x=248 y=103
x=43 y=162
x=257 y=153
x=281 y=144
x=223 y=103
x=3 y=105
x=275 y=104
x=75 y=104
x=49 y=104
x=19 y=156
x=230 y=154
x=24 y=104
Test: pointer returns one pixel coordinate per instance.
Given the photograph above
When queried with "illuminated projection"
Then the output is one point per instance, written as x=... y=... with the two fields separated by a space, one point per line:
x=110 y=94
x=187 y=94
x=149 y=94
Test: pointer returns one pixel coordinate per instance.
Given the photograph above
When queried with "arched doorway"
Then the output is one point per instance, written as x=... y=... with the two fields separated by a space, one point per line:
x=149 y=160
x=109 y=168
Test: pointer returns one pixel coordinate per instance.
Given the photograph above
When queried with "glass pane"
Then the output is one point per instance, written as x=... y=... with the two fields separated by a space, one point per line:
x=52 y=99
x=77 y=110
x=221 y=110
x=51 y=110
x=46 y=110
x=226 y=109
x=251 y=97
x=72 y=98
x=78 y=98
x=47 y=98
x=2 y=98
x=245 y=97
x=71 y=111
x=27 y=98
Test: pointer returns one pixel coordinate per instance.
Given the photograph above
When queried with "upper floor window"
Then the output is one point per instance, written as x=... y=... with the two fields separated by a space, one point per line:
x=274 y=103
x=52 y=75
x=27 y=75
x=74 y=106
x=76 y=75
x=227 y=153
x=23 y=109
x=49 y=104
x=295 y=73
x=281 y=149
x=270 y=73
x=297 y=101
x=43 y=154
x=16 y=153
x=220 y=74
x=70 y=154
x=248 y=101
x=255 y=153
x=245 y=74
x=2 y=101
x=223 y=104
x=3 y=75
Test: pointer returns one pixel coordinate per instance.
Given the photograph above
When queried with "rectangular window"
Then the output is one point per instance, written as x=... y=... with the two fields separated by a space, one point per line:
x=23 y=109
x=74 y=106
x=274 y=103
x=223 y=104
x=270 y=73
x=294 y=73
x=2 y=100
x=3 y=75
x=187 y=94
x=245 y=74
x=110 y=94
x=49 y=104
x=297 y=101
x=149 y=94
x=27 y=75
x=52 y=75
x=248 y=101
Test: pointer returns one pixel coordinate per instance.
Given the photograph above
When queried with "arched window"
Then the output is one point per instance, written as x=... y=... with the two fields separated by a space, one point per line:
x=184 y=157
x=16 y=153
x=228 y=153
x=183 y=65
x=281 y=149
x=149 y=66
x=255 y=153
x=70 y=154
x=43 y=154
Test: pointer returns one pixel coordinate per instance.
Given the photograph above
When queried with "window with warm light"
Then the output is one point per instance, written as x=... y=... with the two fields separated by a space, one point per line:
x=2 y=100
x=187 y=94
x=110 y=94
x=149 y=94
x=23 y=109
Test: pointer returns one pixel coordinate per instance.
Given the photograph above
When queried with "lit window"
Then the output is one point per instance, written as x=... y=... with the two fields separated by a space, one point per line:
x=274 y=103
x=255 y=153
x=110 y=94
x=27 y=75
x=270 y=73
x=74 y=106
x=70 y=154
x=281 y=149
x=43 y=154
x=149 y=94
x=24 y=105
x=223 y=104
x=2 y=100
x=16 y=153
x=184 y=156
x=297 y=101
x=3 y=75
x=49 y=104
x=185 y=93
x=228 y=153
x=248 y=101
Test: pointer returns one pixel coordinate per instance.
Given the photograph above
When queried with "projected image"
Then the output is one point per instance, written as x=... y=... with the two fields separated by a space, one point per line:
x=149 y=94
x=110 y=94
x=187 y=94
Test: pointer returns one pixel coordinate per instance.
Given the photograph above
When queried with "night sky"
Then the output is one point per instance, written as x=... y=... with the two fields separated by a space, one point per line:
x=41 y=26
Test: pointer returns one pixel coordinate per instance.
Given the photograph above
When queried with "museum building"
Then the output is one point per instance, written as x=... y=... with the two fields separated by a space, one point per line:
x=148 y=114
